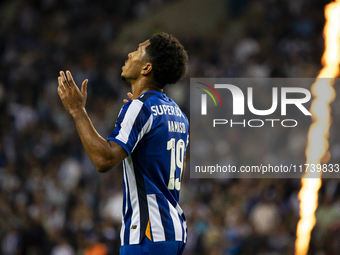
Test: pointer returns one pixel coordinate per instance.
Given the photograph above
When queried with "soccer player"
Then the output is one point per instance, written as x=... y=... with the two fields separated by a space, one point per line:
x=151 y=136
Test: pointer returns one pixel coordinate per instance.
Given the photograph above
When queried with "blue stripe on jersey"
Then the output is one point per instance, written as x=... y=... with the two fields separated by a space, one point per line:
x=125 y=195
x=155 y=219
x=184 y=231
x=143 y=203
x=184 y=222
x=127 y=214
x=166 y=220
x=137 y=127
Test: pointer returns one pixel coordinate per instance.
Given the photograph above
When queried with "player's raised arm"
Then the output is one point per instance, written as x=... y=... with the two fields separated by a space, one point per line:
x=103 y=154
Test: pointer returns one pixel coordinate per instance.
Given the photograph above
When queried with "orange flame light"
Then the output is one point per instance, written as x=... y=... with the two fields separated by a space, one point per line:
x=317 y=146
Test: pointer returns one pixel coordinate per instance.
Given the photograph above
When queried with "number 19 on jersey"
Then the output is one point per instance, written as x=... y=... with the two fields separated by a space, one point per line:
x=176 y=162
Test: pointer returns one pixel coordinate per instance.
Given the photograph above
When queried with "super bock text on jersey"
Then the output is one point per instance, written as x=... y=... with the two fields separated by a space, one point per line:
x=154 y=132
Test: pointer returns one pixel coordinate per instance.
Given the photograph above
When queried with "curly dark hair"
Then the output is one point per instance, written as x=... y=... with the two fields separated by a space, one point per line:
x=168 y=57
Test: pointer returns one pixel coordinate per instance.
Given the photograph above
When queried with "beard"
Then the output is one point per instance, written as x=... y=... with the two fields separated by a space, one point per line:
x=123 y=77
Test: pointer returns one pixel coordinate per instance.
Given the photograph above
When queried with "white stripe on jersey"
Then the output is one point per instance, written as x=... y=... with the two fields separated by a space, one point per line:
x=129 y=120
x=122 y=230
x=135 y=218
x=176 y=222
x=187 y=142
x=180 y=211
x=146 y=129
x=157 y=229
x=185 y=231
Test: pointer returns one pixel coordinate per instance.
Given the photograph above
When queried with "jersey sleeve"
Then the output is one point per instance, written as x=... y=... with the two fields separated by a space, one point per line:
x=134 y=121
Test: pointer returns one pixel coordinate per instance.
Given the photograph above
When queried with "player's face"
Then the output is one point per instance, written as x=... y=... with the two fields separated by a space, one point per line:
x=134 y=64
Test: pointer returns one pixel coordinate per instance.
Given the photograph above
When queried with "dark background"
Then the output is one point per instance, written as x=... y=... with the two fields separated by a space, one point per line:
x=52 y=200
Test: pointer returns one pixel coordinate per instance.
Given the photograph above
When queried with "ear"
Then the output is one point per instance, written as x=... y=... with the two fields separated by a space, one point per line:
x=147 y=68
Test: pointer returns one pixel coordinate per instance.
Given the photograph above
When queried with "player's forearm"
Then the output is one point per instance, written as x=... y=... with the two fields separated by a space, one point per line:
x=98 y=149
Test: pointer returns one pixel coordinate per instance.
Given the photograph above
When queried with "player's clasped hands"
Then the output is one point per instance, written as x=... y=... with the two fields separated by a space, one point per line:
x=73 y=99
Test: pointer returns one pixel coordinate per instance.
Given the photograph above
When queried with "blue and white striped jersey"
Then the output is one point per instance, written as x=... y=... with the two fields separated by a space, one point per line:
x=154 y=132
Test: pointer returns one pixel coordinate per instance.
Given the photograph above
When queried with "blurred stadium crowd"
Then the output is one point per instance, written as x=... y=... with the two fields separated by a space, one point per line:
x=52 y=200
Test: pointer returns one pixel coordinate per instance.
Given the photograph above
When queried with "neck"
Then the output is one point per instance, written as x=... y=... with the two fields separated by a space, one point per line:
x=141 y=86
